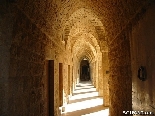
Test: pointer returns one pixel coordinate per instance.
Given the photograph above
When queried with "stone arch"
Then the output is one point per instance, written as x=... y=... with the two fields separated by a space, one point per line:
x=91 y=17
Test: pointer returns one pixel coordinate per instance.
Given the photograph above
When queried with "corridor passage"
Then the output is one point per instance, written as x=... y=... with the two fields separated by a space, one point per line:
x=85 y=102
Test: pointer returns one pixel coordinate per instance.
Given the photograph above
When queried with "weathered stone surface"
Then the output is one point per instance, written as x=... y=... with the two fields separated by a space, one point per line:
x=142 y=47
x=33 y=32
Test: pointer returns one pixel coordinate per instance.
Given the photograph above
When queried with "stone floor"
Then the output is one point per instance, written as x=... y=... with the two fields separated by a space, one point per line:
x=85 y=102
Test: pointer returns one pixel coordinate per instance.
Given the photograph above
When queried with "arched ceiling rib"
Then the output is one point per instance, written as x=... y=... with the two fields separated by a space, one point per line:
x=84 y=14
x=84 y=20
x=80 y=36
x=83 y=31
x=85 y=54
x=81 y=49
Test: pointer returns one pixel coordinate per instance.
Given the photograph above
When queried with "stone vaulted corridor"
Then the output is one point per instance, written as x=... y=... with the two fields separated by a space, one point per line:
x=48 y=47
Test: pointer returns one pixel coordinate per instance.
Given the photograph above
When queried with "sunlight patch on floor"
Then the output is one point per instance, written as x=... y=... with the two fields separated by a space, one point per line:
x=99 y=113
x=85 y=102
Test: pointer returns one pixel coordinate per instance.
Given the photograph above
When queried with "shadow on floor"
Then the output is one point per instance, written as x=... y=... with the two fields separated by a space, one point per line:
x=85 y=102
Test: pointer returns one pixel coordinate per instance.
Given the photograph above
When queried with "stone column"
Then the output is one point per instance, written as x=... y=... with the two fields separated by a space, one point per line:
x=96 y=74
x=97 y=68
x=105 y=64
x=100 y=74
x=72 y=85
x=92 y=72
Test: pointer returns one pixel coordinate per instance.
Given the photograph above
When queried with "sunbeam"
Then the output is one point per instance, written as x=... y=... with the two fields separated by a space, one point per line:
x=85 y=102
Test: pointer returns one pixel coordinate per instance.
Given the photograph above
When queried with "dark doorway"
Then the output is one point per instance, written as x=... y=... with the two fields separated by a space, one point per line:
x=84 y=71
x=50 y=87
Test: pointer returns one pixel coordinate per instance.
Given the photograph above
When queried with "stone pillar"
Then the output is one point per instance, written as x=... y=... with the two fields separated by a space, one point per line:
x=65 y=83
x=78 y=70
x=74 y=77
x=97 y=67
x=96 y=74
x=105 y=68
x=69 y=80
x=72 y=85
x=100 y=75
x=91 y=72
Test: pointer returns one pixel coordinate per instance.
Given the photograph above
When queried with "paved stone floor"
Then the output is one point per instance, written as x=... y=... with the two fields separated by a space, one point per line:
x=85 y=102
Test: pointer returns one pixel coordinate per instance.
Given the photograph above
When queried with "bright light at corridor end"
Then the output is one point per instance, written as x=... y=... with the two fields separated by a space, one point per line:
x=84 y=59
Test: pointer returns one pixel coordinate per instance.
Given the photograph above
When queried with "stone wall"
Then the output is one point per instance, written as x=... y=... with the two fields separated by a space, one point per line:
x=118 y=30
x=36 y=38
x=7 y=19
x=105 y=65
x=100 y=74
x=120 y=75
x=142 y=54
x=26 y=80
x=35 y=35
x=31 y=47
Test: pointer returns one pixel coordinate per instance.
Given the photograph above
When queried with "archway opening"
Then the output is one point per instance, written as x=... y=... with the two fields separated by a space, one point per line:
x=84 y=70
x=84 y=38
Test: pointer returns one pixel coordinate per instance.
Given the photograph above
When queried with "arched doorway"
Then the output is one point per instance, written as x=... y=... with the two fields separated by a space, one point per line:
x=84 y=70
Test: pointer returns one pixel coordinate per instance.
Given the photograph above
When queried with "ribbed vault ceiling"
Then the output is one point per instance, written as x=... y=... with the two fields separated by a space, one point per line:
x=83 y=31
